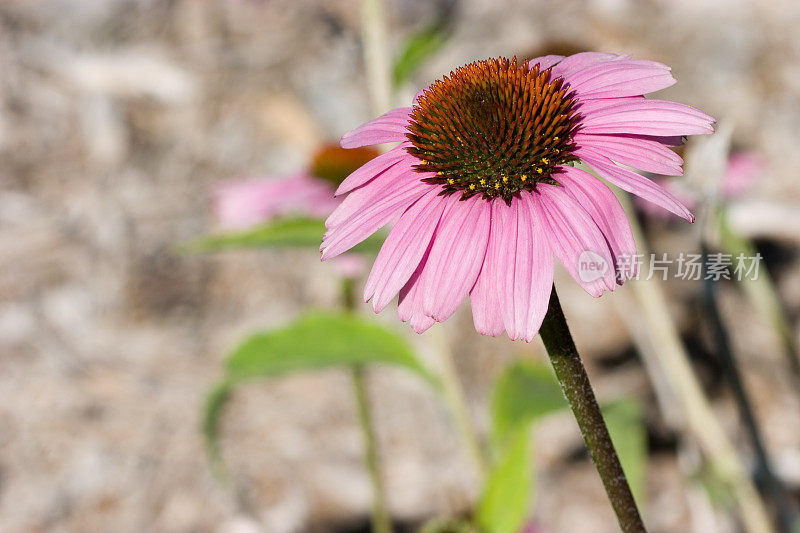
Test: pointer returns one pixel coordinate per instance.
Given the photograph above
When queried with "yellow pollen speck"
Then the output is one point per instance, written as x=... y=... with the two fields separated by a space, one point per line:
x=523 y=177
x=440 y=173
x=538 y=170
x=483 y=181
x=497 y=185
x=450 y=181
x=555 y=138
x=472 y=186
x=505 y=179
x=545 y=161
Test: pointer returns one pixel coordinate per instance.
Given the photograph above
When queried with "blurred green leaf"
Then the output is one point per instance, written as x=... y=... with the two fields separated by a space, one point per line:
x=280 y=233
x=420 y=46
x=503 y=507
x=319 y=340
x=212 y=410
x=525 y=392
x=316 y=341
x=625 y=424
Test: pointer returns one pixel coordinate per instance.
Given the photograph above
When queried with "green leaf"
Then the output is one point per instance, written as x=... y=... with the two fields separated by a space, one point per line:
x=503 y=507
x=316 y=341
x=419 y=47
x=625 y=424
x=280 y=233
x=212 y=411
x=525 y=392
x=320 y=340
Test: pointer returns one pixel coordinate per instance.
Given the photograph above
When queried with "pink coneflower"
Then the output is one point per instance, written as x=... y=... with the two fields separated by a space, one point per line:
x=485 y=190
x=742 y=171
x=241 y=204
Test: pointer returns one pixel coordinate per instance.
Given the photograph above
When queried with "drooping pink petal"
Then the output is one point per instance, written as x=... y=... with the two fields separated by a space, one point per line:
x=634 y=183
x=607 y=213
x=399 y=175
x=524 y=268
x=372 y=217
x=615 y=79
x=648 y=117
x=641 y=153
x=456 y=255
x=576 y=240
x=403 y=249
x=372 y=168
x=675 y=187
x=409 y=307
x=484 y=297
x=387 y=128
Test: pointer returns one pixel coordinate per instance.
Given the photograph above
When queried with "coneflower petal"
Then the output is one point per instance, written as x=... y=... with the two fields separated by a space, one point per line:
x=484 y=297
x=403 y=249
x=409 y=306
x=385 y=185
x=525 y=268
x=604 y=208
x=456 y=256
x=371 y=218
x=387 y=128
x=575 y=238
x=648 y=117
x=641 y=153
x=582 y=60
x=373 y=168
x=634 y=183
x=616 y=79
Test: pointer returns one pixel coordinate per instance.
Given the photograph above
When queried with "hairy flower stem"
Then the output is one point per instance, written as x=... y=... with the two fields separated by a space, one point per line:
x=381 y=523
x=576 y=387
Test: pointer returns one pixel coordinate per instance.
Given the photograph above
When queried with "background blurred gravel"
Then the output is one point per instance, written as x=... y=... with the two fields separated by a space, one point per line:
x=117 y=117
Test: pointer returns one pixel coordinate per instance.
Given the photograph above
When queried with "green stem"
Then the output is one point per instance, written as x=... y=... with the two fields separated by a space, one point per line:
x=381 y=523
x=457 y=402
x=380 y=516
x=576 y=387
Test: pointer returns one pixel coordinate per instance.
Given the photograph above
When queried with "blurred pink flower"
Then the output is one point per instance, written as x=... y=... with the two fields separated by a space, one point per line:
x=242 y=203
x=742 y=171
x=486 y=192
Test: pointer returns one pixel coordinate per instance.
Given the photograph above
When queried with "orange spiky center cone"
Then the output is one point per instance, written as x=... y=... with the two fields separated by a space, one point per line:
x=493 y=127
